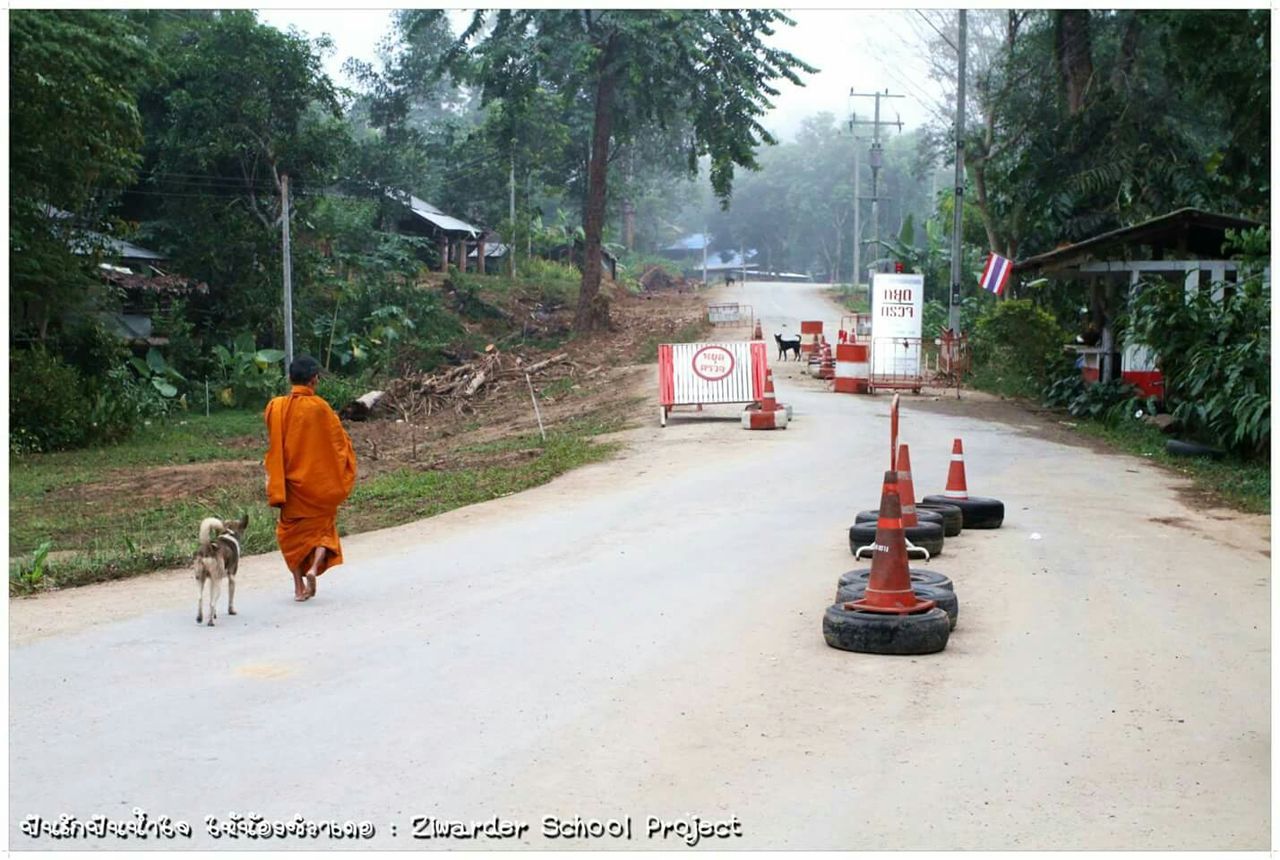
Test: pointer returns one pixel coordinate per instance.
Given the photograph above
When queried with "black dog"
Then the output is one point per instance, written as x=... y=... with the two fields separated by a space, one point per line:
x=791 y=342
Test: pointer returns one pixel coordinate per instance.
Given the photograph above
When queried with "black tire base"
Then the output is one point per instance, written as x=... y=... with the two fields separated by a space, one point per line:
x=876 y=633
x=1180 y=448
x=979 y=512
x=952 y=517
x=927 y=535
x=923 y=516
x=919 y=576
x=944 y=597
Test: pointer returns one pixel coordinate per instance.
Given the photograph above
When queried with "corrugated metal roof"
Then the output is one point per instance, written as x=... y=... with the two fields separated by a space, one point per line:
x=494 y=250
x=694 y=242
x=715 y=263
x=87 y=242
x=433 y=215
x=1201 y=231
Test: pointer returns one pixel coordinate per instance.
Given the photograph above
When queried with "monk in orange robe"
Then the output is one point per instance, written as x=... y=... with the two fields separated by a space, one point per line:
x=311 y=468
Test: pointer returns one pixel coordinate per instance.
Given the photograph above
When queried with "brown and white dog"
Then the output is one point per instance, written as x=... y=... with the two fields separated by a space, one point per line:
x=217 y=559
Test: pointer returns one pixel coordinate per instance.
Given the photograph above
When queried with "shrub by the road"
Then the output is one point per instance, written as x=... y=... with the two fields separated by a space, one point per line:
x=1216 y=355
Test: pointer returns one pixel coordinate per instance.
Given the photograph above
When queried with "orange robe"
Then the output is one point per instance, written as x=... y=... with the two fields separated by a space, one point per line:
x=311 y=468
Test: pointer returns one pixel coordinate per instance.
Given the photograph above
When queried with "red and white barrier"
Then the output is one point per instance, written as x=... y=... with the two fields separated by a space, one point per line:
x=768 y=414
x=814 y=329
x=695 y=374
x=853 y=368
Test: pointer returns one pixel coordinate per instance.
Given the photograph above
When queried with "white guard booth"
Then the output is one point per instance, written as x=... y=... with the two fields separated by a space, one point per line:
x=897 y=305
x=694 y=374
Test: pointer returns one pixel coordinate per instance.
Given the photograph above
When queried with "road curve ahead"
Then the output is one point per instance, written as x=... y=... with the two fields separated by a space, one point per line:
x=642 y=639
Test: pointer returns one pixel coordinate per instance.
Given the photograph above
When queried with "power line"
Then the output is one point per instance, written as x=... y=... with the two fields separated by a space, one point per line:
x=944 y=36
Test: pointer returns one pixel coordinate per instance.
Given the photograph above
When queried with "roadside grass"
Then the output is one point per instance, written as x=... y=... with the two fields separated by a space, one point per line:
x=59 y=540
x=409 y=494
x=1241 y=484
x=854 y=300
x=1005 y=382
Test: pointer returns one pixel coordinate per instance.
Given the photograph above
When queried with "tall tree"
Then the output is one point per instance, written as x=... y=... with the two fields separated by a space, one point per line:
x=75 y=137
x=638 y=69
x=242 y=106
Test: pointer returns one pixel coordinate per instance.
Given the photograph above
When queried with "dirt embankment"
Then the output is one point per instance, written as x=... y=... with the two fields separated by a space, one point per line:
x=597 y=379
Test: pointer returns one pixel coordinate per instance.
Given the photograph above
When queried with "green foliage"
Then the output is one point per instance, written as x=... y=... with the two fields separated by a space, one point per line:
x=75 y=136
x=47 y=405
x=248 y=376
x=935 y=317
x=122 y=403
x=1215 y=356
x=240 y=104
x=26 y=576
x=157 y=372
x=338 y=391
x=1109 y=403
x=701 y=76
x=1171 y=116
x=1020 y=339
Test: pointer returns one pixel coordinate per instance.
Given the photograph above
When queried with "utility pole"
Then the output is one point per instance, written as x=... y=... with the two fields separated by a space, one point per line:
x=704 y=254
x=511 y=240
x=288 y=273
x=877 y=154
x=953 y=309
x=857 y=206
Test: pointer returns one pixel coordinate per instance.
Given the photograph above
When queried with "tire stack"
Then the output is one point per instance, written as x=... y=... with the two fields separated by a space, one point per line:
x=978 y=512
x=888 y=613
x=852 y=622
x=926 y=528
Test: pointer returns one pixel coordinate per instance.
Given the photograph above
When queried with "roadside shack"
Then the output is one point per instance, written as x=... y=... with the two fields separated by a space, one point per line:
x=1186 y=245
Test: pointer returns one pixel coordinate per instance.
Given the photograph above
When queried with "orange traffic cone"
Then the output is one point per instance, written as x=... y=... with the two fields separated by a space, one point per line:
x=759 y=334
x=770 y=414
x=889 y=588
x=978 y=512
x=828 y=368
x=957 y=488
x=906 y=487
x=770 y=403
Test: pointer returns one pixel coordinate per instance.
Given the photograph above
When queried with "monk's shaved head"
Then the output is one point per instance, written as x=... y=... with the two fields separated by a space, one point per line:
x=303 y=369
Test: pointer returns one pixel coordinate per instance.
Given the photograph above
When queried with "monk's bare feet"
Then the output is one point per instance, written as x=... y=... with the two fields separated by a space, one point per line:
x=317 y=559
x=299 y=587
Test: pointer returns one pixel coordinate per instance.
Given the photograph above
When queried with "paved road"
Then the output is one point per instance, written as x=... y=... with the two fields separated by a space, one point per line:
x=643 y=638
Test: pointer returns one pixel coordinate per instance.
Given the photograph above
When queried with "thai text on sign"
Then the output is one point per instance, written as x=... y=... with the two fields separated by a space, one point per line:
x=897 y=303
x=713 y=363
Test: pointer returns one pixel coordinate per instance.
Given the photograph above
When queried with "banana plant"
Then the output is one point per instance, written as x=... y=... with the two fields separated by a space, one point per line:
x=158 y=371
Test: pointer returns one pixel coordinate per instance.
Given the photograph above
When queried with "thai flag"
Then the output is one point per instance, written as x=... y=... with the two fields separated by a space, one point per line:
x=996 y=274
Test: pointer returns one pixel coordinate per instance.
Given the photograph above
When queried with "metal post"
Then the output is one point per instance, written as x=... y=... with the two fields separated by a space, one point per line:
x=876 y=155
x=704 y=255
x=876 y=160
x=288 y=274
x=536 y=411
x=857 y=209
x=511 y=239
x=953 y=308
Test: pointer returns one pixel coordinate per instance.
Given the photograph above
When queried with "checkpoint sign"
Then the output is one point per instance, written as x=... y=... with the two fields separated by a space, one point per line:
x=897 y=302
x=713 y=363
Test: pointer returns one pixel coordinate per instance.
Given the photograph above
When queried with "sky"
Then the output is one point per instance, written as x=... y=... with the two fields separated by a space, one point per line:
x=863 y=49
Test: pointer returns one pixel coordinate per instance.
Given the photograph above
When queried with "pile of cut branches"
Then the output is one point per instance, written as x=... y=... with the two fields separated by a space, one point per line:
x=460 y=388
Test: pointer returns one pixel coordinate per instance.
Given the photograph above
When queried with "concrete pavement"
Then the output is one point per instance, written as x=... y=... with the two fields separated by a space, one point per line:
x=642 y=637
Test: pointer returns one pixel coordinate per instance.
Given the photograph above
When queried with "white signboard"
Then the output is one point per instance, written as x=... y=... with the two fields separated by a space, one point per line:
x=897 y=304
x=723 y=313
